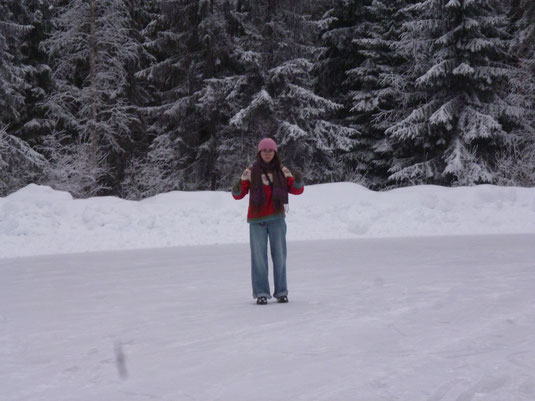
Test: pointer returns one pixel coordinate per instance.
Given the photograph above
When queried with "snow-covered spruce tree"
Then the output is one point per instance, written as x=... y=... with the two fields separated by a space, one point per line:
x=452 y=136
x=194 y=78
x=340 y=24
x=360 y=68
x=523 y=17
x=281 y=37
x=32 y=124
x=12 y=82
x=20 y=165
x=516 y=163
x=90 y=48
x=140 y=94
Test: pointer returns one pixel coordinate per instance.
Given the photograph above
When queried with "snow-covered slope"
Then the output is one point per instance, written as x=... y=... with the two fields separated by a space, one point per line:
x=38 y=220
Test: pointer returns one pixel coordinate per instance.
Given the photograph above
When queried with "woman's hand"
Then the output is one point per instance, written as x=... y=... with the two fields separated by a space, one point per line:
x=237 y=187
x=298 y=175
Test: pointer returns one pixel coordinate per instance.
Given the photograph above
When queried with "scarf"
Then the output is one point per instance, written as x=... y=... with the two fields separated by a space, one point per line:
x=279 y=186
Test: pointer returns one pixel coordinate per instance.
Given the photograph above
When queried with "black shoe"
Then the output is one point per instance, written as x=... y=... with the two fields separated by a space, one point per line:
x=282 y=300
x=261 y=301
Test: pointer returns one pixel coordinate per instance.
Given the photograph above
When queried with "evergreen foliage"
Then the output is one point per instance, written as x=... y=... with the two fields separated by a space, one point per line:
x=90 y=49
x=12 y=83
x=464 y=114
x=20 y=165
x=192 y=76
x=139 y=97
x=285 y=103
x=362 y=57
x=516 y=162
x=32 y=124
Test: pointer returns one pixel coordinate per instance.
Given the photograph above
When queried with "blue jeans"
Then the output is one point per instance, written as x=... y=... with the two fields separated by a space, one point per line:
x=259 y=233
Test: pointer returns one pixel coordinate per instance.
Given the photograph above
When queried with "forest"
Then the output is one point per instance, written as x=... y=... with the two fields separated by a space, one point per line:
x=132 y=98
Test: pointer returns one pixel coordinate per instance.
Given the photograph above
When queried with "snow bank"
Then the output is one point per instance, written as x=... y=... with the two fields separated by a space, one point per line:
x=39 y=220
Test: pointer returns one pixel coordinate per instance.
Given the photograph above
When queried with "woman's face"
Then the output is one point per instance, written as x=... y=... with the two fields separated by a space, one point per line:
x=267 y=155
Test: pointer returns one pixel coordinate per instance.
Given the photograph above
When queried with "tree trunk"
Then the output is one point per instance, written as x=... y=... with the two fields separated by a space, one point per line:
x=93 y=139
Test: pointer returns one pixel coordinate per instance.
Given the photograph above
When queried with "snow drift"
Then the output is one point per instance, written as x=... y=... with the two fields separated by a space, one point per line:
x=39 y=220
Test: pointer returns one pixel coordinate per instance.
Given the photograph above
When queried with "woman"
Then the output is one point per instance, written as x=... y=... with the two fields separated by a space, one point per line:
x=269 y=184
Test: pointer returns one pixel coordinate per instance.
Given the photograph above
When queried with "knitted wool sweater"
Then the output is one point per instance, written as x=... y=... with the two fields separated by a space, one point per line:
x=267 y=211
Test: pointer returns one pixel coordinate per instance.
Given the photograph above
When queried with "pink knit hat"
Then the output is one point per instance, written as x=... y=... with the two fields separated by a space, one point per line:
x=267 y=144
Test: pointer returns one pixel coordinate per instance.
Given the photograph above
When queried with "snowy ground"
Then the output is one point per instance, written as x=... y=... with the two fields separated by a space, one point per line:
x=390 y=298
x=37 y=220
x=414 y=319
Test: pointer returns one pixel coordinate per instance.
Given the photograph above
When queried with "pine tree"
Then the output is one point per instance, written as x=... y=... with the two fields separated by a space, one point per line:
x=360 y=68
x=523 y=15
x=280 y=37
x=20 y=165
x=190 y=74
x=91 y=48
x=516 y=162
x=32 y=123
x=464 y=114
x=11 y=72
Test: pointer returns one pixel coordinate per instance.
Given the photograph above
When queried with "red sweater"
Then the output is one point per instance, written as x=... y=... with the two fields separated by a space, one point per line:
x=267 y=210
